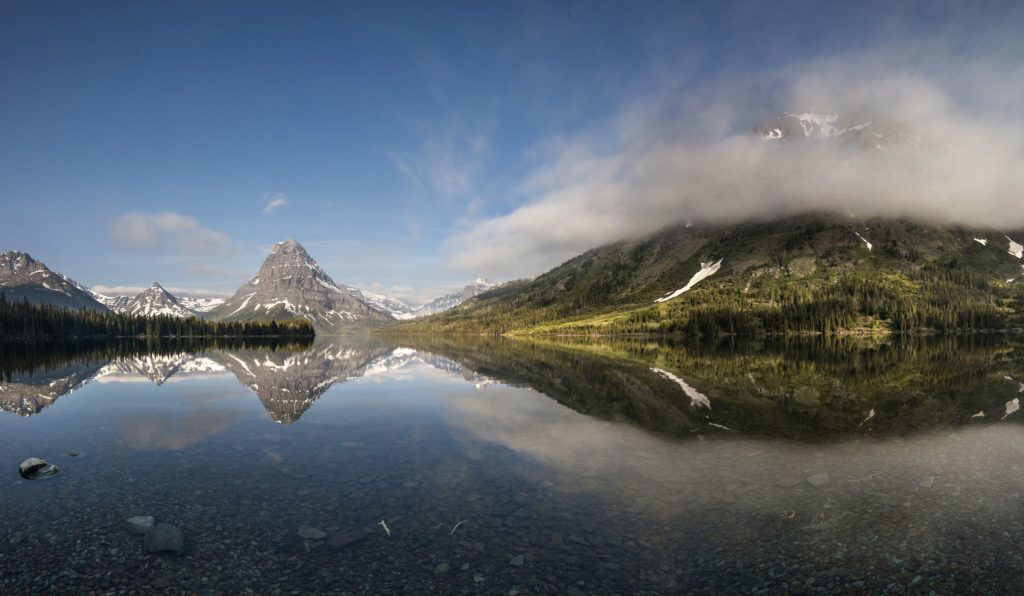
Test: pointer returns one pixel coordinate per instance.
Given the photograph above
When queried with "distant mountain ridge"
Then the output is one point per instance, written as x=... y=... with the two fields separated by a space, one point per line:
x=455 y=298
x=290 y=284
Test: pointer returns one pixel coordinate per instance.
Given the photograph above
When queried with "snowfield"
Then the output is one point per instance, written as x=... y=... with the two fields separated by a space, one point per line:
x=706 y=271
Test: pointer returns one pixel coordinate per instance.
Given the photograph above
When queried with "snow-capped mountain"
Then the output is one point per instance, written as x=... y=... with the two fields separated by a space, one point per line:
x=396 y=307
x=857 y=131
x=22 y=277
x=453 y=299
x=114 y=303
x=153 y=301
x=200 y=305
x=133 y=304
x=291 y=284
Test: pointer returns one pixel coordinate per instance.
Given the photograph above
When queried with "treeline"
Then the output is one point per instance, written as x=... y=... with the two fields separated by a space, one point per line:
x=21 y=320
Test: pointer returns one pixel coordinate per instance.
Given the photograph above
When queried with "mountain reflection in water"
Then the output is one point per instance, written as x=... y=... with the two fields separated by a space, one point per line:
x=810 y=389
x=506 y=464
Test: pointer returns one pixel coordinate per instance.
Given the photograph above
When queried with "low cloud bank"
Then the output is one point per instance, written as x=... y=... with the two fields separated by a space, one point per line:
x=692 y=155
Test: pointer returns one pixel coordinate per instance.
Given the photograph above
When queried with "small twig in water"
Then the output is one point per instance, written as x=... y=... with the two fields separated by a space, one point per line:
x=438 y=525
x=384 y=525
x=452 y=533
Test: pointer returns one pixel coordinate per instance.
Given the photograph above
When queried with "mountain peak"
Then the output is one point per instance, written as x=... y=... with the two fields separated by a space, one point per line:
x=288 y=246
x=13 y=260
x=157 y=286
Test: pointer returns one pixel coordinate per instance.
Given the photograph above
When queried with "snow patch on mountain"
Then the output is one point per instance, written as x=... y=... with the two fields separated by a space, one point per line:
x=706 y=271
x=1015 y=249
x=200 y=305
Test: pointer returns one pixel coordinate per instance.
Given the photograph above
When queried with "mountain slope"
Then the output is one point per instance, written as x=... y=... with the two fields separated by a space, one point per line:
x=816 y=273
x=289 y=285
x=24 y=278
x=200 y=305
x=114 y=303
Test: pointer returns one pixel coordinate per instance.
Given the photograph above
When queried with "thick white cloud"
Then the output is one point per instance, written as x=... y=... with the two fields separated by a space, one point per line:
x=691 y=155
x=155 y=231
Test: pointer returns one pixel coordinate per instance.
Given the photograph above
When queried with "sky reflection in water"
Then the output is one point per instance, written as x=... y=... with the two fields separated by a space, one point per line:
x=840 y=467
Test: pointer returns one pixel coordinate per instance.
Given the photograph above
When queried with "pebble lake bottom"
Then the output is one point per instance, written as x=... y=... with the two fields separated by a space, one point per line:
x=495 y=469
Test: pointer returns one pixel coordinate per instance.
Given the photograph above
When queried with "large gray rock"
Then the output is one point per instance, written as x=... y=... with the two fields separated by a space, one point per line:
x=140 y=524
x=34 y=468
x=164 y=538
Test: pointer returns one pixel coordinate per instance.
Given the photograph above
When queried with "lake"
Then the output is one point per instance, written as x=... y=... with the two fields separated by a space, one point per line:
x=504 y=466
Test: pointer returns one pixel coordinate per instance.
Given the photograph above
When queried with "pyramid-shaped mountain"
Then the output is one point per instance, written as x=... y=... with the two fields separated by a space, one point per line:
x=290 y=285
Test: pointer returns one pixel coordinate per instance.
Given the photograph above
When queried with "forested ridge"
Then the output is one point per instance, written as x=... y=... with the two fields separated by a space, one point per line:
x=807 y=276
x=21 y=320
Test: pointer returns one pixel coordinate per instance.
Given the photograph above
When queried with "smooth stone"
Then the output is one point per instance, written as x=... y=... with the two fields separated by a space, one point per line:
x=517 y=561
x=344 y=539
x=819 y=479
x=442 y=568
x=789 y=482
x=140 y=524
x=164 y=538
x=34 y=468
x=927 y=482
x=311 y=533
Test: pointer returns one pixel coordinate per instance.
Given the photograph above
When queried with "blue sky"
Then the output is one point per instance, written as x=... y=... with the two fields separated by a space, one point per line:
x=176 y=141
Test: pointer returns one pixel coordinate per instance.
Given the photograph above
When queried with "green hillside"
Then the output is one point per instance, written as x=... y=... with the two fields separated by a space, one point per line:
x=810 y=274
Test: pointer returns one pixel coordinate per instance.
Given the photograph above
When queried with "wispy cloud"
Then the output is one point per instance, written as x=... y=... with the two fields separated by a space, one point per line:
x=168 y=230
x=274 y=201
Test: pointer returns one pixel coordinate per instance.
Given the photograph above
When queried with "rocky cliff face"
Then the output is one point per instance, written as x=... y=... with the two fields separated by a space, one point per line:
x=24 y=278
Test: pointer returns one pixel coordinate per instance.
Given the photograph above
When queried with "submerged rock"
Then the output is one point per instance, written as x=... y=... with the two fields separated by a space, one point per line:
x=140 y=524
x=345 y=538
x=164 y=538
x=819 y=479
x=34 y=468
x=310 y=533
